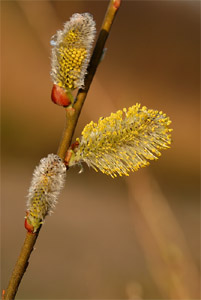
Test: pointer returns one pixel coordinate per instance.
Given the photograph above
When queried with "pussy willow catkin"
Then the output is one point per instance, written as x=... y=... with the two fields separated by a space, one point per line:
x=47 y=182
x=124 y=141
x=71 y=51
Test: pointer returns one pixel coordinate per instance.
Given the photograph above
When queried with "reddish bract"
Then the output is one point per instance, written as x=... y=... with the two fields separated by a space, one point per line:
x=59 y=96
x=27 y=225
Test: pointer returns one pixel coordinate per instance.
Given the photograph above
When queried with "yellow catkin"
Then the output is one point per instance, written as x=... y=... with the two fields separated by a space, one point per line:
x=71 y=51
x=124 y=141
x=47 y=182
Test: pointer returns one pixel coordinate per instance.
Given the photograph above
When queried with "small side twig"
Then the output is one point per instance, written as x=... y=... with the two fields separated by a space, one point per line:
x=72 y=115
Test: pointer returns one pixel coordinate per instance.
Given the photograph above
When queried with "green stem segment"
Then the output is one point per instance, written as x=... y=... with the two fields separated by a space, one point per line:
x=72 y=115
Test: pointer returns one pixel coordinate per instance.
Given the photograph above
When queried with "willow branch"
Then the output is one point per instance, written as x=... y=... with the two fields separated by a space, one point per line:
x=21 y=266
x=72 y=115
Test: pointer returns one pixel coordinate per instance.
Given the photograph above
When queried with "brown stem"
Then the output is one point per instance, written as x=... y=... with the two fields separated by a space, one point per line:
x=21 y=265
x=72 y=115
x=72 y=118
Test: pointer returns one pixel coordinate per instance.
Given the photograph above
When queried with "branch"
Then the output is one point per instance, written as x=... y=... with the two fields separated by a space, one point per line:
x=72 y=115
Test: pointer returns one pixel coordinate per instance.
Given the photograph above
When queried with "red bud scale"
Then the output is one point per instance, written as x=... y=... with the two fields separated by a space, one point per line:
x=59 y=96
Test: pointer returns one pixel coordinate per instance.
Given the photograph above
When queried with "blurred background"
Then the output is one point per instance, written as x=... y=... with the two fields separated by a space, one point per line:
x=124 y=238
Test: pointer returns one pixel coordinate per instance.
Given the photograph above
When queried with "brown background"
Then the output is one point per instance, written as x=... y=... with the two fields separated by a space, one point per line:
x=135 y=238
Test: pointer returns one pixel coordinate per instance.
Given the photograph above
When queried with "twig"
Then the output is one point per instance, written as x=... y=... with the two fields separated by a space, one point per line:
x=21 y=265
x=72 y=115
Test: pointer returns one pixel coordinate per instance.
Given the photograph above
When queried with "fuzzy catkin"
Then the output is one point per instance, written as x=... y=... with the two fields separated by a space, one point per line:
x=47 y=182
x=124 y=141
x=71 y=51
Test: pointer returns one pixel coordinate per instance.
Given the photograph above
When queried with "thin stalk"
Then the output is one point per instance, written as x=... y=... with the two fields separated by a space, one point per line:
x=72 y=115
x=21 y=265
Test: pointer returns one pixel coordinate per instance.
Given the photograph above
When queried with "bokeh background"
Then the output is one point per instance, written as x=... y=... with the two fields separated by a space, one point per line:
x=124 y=238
